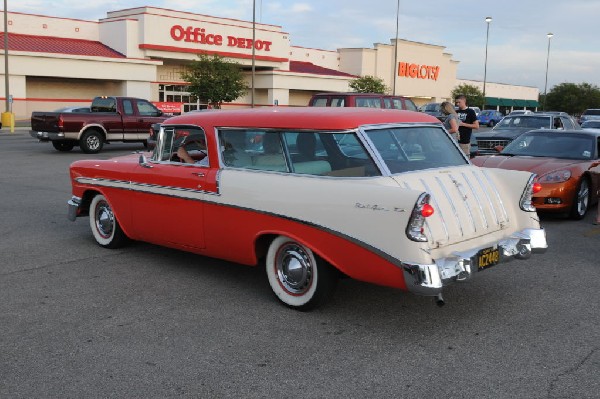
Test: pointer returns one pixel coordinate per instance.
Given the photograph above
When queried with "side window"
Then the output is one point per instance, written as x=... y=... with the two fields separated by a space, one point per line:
x=387 y=103
x=338 y=102
x=270 y=155
x=127 y=107
x=181 y=144
x=147 y=109
x=320 y=102
x=369 y=102
x=236 y=148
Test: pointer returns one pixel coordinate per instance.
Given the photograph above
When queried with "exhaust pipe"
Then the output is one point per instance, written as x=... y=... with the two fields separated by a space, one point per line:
x=439 y=300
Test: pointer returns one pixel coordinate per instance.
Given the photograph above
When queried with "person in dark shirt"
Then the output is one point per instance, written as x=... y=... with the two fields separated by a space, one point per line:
x=467 y=122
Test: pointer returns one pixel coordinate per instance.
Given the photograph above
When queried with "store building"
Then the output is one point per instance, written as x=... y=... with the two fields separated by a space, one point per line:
x=141 y=52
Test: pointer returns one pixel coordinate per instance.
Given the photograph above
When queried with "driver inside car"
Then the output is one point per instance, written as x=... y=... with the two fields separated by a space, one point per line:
x=193 y=150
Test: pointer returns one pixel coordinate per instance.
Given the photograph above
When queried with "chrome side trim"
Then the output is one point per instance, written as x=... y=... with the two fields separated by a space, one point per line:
x=478 y=200
x=454 y=210
x=463 y=193
x=497 y=194
x=487 y=196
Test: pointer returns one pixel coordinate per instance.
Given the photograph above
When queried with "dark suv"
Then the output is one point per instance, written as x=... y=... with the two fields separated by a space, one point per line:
x=513 y=125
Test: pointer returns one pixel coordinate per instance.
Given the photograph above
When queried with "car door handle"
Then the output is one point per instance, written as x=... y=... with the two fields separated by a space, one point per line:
x=199 y=174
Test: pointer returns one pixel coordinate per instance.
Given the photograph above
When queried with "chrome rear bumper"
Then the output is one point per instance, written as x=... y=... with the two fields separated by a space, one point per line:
x=429 y=279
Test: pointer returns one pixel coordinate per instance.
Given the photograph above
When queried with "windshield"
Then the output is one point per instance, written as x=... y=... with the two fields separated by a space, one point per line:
x=551 y=144
x=411 y=148
x=530 y=122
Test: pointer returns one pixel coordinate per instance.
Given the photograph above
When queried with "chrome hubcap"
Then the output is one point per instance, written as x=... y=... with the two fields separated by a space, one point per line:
x=294 y=268
x=93 y=142
x=105 y=220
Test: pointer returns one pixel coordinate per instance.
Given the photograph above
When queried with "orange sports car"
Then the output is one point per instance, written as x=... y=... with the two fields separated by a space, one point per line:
x=562 y=160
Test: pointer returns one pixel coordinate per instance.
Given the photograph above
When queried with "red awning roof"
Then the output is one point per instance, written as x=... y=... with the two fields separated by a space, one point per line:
x=308 y=67
x=58 y=45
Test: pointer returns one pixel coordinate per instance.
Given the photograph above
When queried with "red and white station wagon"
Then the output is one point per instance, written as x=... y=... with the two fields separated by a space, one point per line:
x=382 y=196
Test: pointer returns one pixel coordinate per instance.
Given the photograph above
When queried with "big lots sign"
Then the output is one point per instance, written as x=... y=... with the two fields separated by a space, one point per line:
x=199 y=35
x=416 y=71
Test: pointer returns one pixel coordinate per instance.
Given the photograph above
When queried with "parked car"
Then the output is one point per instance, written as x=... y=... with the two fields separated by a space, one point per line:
x=110 y=119
x=490 y=117
x=512 y=126
x=521 y=112
x=561 y=160
x=74 y=109
x=434 y=109
x=589 y=115
x=381 y=196
x=364 y=100
x=477 y=110
x=591 y=124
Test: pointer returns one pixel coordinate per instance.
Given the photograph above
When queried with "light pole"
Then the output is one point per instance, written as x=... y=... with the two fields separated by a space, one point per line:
x=253 y=50
x=395 y=68
x=6 y=88
x=547 y=61
x=488 y=20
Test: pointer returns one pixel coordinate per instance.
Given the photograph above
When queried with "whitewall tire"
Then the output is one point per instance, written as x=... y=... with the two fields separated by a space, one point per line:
x=105 y=227
x=297 y=277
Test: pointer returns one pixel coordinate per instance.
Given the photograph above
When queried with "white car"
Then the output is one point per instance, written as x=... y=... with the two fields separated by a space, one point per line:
x=381 y=196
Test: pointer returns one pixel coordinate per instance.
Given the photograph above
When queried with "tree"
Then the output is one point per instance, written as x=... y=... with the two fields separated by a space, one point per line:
x=572 y=98
x=214 y=80
x=473 y=94
x=368 y=84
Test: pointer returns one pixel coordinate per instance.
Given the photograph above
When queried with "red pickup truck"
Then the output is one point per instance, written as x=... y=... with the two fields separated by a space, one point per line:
x=124 y=119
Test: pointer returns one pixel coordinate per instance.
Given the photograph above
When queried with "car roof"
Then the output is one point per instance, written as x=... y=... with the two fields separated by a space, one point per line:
x=301 y=118
x=356 y=95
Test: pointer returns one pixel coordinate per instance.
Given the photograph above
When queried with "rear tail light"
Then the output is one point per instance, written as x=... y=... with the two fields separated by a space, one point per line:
x=61 y=122
x=415 y=230
x=531 y=188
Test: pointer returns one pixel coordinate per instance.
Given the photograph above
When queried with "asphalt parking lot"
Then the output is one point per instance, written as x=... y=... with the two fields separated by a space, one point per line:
x=80 y=321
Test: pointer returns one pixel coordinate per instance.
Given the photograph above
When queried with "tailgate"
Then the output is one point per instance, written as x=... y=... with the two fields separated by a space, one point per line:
x=45 y=121
x=466 y=201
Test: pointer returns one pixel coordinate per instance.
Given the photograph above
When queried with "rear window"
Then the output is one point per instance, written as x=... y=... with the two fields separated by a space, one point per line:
x=405 y=149
x=104 y=104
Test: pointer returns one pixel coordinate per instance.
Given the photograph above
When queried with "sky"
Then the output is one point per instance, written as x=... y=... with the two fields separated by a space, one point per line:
x=517 y=43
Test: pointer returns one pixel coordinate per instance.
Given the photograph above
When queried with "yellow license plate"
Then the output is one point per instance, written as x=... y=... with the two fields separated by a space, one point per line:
x=488 y=257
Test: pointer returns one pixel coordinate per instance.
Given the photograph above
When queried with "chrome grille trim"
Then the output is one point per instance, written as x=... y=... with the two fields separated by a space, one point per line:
x=490 y=144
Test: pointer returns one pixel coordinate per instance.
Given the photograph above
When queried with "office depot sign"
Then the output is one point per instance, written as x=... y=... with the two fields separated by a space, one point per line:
x=199 y=35
x=416 y=71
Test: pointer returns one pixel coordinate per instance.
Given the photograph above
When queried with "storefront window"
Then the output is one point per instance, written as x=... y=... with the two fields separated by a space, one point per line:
x=179 y=93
